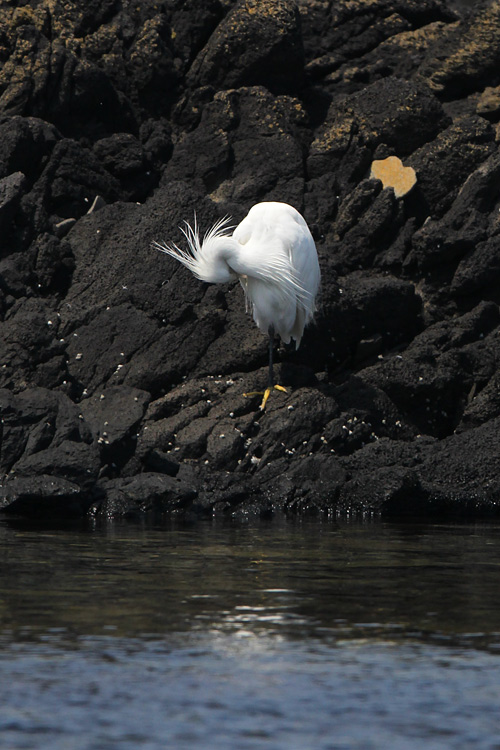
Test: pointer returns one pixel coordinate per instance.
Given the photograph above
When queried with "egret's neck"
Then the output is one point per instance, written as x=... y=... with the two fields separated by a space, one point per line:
x=216 y=256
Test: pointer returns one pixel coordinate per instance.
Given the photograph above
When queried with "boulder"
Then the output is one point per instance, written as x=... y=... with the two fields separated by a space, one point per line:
x=123 y=377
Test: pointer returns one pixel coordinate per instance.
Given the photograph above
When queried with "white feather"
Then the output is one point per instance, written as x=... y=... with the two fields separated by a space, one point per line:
x=273 y=254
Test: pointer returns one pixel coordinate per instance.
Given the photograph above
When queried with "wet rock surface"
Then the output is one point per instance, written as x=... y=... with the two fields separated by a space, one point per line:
x=122 y=376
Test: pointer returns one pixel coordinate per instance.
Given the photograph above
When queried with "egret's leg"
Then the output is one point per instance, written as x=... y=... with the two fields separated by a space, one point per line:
x=271 y=356
x=271 y=385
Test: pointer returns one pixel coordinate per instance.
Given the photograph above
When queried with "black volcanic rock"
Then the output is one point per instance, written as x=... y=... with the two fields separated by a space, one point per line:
x=12 y=188
x=258 y=42
x=43 y=498
x=122 y=376
x=148 y=492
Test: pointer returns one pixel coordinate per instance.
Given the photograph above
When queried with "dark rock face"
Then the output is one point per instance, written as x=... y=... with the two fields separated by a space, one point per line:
x=122 y=376
x=232 y=58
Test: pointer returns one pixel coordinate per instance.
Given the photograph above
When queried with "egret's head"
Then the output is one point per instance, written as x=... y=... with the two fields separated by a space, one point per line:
x=207 y=260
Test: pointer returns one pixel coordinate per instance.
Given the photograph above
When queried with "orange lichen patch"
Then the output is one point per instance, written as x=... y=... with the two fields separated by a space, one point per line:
x=393 y=174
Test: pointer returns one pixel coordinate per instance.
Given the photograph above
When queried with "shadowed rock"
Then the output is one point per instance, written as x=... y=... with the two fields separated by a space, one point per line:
x=122 y=376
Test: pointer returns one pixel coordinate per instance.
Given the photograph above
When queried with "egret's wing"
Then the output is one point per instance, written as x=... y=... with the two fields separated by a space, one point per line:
x=304 y=259
x=276 y=260
x=263 y=255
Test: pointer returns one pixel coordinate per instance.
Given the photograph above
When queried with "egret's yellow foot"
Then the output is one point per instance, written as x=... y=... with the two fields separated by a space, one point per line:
x=266 y=394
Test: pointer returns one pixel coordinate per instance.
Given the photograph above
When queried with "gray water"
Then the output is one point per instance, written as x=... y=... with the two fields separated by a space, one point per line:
x=297 y=635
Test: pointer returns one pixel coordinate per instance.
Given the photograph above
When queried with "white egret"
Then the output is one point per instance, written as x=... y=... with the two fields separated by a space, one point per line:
x=273 y=255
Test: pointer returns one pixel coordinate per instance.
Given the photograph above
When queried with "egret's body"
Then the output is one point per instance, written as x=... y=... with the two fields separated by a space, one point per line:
x=273 y=255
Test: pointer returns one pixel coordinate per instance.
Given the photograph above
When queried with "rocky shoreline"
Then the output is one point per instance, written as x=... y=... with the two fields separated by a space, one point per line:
x=122 y=376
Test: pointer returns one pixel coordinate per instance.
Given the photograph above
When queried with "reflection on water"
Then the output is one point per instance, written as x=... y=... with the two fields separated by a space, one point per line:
x=295 y=579
x=265 y=636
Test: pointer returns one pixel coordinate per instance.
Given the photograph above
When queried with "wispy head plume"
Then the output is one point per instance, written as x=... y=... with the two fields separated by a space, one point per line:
x=195 y=258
